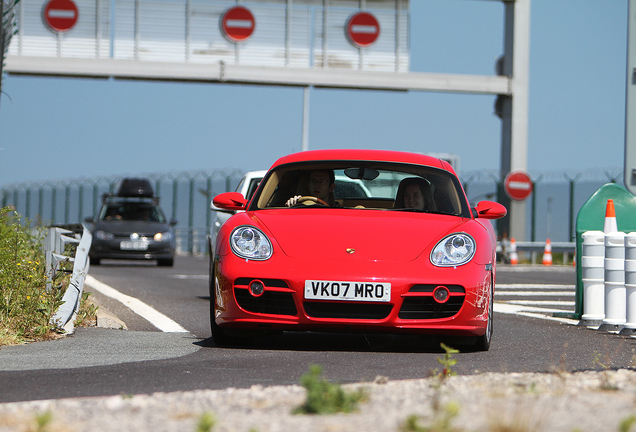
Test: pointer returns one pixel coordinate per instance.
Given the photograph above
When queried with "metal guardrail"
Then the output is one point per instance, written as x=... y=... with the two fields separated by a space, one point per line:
x=56 y=240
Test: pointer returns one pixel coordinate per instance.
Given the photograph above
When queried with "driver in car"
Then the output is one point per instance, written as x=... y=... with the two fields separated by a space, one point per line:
x=321 y=184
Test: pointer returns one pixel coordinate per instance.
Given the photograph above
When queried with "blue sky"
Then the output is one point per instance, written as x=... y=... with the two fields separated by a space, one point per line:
x=54 y=128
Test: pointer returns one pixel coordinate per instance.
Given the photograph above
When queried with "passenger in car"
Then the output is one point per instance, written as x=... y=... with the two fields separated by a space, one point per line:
x=320 y=185
x=416 y=193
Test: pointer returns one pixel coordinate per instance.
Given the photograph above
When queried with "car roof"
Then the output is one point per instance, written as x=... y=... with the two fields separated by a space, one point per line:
x=362 y=155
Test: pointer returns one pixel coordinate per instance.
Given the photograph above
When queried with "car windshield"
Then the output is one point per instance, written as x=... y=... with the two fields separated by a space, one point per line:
x=131 y=211
x=367 y=185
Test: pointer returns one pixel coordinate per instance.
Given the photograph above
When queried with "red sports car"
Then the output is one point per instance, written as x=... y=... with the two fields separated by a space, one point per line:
x=407 y=255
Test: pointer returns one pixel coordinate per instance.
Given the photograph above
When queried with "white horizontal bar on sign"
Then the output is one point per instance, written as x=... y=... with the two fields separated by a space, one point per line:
x=364 y=29
x=520 y=185
x=238 y=23
x=61 y=13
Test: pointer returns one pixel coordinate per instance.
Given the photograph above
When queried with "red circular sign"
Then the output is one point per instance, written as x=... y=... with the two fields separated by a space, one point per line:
x=518 y=185
x=362 y=29
x=60 y=15
x=237 y=24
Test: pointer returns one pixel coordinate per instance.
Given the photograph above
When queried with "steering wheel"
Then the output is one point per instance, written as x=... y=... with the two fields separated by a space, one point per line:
x=315 y=200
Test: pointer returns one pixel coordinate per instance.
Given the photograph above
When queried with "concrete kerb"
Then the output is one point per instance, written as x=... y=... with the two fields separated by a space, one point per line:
x=105 y=318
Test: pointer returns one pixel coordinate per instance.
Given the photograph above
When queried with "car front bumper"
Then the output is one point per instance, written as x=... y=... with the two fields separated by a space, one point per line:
x=411 y=308
x=111 y=249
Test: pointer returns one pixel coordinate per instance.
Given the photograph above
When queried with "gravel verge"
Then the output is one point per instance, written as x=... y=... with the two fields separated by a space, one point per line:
x=583 y=401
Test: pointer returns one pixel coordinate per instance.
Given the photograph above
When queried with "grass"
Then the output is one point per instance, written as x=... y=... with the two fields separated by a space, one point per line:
x=26 y=306
x=324 y=397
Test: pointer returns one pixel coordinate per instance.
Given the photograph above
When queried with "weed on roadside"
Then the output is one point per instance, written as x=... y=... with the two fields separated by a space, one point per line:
x=324 y=397
x=447 y=361
x=606 y=383
x=206 y=422
x=441 y=420
x=87 y=313
x=26 y=306
x=626 y=424
x=43 y=421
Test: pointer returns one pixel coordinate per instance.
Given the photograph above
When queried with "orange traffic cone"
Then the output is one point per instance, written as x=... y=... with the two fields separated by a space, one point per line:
x=512 y=254
x=610 y=218
x=547 y=253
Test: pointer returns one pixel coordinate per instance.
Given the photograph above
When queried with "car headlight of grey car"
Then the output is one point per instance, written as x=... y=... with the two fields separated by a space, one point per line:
x=250 y=243
x=453 y=250
x=163 y=236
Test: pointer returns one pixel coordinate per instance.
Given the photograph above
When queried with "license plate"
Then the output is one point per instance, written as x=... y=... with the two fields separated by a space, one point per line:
x=134 y=245
x=356 y=291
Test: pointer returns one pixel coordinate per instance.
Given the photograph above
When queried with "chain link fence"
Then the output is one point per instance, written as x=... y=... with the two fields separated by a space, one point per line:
x=185 y=196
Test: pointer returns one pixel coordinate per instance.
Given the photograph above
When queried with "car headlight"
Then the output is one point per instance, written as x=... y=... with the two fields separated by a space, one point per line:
x=164 y=236
x=250 y=243
x=454 y=250
x=103 y=235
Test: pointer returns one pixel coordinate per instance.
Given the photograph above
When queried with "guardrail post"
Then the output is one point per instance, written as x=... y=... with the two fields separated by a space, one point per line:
x=64 y=317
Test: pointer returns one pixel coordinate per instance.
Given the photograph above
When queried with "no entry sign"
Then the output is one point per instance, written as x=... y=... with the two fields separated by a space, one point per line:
x=518 y=185
x=60 y=15
x=237 y=24
x=362 y=29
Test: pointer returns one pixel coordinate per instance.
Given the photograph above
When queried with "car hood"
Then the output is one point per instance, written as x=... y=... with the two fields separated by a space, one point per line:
x=365 y=235
x=128 y=227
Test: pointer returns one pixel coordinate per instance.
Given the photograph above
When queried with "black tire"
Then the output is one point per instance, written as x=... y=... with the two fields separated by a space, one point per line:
x=165 y=262
x=218 y=334
x=483 y=342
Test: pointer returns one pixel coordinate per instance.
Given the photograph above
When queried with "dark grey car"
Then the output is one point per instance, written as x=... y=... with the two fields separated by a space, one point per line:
x=132 y=228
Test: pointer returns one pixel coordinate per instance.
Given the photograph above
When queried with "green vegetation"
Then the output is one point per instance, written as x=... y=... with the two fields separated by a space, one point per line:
x=626 y=424
x=441 y=422
x=324 y=397
x=447 y=362
x=26 y=306
x=206 y=422
x=42 y=421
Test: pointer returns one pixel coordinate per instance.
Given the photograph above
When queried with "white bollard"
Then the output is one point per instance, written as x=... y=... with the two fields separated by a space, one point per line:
x=630 y=284
x=615 y=296
x=593 y=276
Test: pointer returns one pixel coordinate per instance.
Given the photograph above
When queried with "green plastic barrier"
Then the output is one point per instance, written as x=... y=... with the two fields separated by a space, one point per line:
x=591 y=217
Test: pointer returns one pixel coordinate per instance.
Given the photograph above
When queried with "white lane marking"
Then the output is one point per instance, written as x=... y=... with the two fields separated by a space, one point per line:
x=153 y=316
x=183 y=276
x=532 y=312
x=534 y=294
x=533 y=286
x=541 y=303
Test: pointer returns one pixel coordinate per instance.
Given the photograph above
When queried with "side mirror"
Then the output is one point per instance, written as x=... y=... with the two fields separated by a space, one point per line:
x=217 y=209
x=173 y=222
x=489 y=210
x=230 y=201
x=89 y=220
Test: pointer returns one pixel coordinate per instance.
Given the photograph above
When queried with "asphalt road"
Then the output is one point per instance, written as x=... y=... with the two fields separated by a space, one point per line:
x=143 y=359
